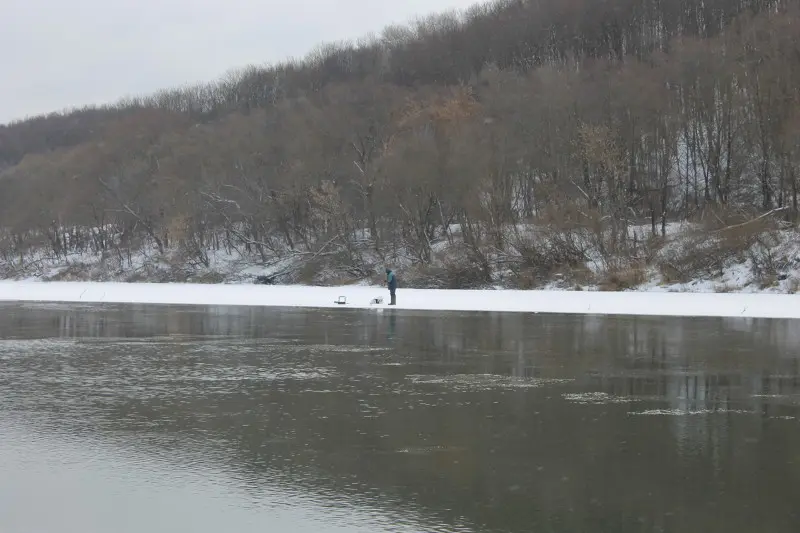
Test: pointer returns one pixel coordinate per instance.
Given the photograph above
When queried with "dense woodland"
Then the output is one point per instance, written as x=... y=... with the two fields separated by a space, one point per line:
x=524 y=134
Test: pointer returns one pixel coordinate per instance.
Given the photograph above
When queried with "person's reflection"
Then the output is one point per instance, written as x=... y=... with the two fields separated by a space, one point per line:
x=392 y=325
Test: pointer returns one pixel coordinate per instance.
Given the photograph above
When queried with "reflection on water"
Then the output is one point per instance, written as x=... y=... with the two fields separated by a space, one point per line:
x=144 y=418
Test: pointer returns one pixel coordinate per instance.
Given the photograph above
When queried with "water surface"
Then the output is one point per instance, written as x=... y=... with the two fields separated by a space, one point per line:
x=211 y=419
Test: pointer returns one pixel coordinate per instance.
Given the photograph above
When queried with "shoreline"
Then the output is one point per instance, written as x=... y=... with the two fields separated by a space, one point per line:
x=680 y=304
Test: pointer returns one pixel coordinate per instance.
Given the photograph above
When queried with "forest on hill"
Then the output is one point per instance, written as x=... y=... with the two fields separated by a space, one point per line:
x=514 y=143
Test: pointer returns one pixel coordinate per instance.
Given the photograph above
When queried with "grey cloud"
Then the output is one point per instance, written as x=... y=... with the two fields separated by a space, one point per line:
x=58 y=54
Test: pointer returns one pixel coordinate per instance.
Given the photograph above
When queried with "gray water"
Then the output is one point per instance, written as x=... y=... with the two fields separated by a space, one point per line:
x=221 y=419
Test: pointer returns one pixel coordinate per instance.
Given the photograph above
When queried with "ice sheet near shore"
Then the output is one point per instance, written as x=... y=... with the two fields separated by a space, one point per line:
x=581 y=302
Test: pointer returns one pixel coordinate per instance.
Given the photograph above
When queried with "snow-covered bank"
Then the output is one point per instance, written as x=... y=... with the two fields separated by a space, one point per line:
x=688 y=258
x=578 y=302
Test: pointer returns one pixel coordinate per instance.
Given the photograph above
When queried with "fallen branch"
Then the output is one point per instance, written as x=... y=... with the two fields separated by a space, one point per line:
x=776 y=210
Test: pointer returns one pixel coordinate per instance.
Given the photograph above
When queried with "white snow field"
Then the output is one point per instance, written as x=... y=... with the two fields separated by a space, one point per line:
x=751 y=305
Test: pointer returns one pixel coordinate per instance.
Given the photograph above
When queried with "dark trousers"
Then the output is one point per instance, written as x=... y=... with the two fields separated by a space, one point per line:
x=393 y=296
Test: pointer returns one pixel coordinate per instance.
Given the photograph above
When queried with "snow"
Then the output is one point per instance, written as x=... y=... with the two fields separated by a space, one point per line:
x=751 y=305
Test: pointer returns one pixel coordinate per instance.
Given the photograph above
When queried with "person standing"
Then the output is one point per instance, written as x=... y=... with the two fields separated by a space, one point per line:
x=391 y=282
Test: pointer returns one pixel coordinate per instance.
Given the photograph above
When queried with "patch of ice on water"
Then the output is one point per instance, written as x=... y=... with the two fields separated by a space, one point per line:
x=346 y=348
x=27 y=343
x=55 y=306
x=262 y=375
x=776 y=396
x=690 y=412
x=424 y=450
x=31 y=347
x=484 y=381
x=598 y=398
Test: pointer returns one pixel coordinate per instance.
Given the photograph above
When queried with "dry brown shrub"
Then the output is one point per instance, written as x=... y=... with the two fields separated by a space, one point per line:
x=551 y=251
x=724 y=288
x=767 y=281
x=73 y=272
x=765 y=264
x=337 y=279
x=793 y=285
x=621 y=279
x=307 y=273
x=706 y=251
x=208 y=278
x=448 y=275
x=460 y=267
x=566 y=276
x=525 y=280
x=136 y=277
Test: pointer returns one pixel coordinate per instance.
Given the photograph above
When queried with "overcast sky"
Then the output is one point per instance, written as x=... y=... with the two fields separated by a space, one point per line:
x=62 y=53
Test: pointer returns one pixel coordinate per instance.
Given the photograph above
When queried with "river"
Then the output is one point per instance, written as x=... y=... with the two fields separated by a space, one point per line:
x=135 y=418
